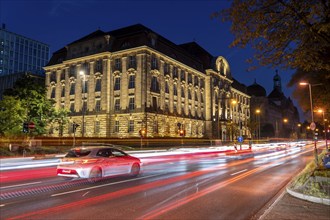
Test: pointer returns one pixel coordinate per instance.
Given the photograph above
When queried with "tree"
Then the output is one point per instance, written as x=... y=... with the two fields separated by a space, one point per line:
x=12 y=116
x=284 y=33
x=320 y=92
x=59 y=119
x=32 y=95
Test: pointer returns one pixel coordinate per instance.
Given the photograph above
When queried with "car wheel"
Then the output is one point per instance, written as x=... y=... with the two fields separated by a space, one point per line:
x=95 y=175
x=135 y=170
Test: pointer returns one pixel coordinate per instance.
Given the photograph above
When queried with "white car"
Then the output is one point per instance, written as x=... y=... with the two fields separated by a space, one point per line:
x=96 y=162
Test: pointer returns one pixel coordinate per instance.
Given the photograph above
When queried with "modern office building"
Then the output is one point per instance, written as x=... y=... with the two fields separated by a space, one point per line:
x=132 y=80
x=19 y=53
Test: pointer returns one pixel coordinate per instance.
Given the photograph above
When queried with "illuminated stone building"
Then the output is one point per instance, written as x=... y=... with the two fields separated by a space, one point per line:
x=278 y=115
x=117 y=83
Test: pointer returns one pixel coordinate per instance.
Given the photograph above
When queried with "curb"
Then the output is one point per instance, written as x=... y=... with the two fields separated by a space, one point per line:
x=308 y=198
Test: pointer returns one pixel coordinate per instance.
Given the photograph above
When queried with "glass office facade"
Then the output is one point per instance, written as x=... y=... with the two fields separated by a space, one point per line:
x=19 y=53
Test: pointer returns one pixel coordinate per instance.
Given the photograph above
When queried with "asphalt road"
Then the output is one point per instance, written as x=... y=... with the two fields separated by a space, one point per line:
x=206 y=187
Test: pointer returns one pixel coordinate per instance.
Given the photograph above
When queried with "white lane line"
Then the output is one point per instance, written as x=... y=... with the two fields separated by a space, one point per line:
x=238 y=172
x=25 y=184
x=109 y=184
x=85 y=194
x=2 y=205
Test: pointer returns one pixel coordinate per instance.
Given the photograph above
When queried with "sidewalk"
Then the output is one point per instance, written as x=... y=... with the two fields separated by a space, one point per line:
x=289 y=207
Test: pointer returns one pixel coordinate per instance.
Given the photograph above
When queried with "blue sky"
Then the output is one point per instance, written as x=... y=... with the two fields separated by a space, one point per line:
x=59 y=22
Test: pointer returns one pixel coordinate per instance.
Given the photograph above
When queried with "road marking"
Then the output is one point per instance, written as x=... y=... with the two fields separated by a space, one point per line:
x=2 y=205
x=25 y=184
x=109 y=184
x=238 y=172
x=85 y=194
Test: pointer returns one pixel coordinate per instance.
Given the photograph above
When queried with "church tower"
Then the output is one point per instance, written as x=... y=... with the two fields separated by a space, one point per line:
x=277 y=82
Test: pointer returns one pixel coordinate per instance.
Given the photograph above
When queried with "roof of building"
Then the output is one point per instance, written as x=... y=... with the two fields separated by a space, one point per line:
x=256 y=90
x=276 y=94
x=137 y=35
x=239 y=86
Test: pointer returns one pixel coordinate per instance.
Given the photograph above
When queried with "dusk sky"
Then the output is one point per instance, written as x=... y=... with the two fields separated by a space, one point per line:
x=60 y=22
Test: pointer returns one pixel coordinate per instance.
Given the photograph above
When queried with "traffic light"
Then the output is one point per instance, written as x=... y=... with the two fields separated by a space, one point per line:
x=25 y=127
x=75 y=126
x=181 y=132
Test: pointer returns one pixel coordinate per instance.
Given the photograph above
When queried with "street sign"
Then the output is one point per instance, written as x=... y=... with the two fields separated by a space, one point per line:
x=32 y=125
x=240 y=139
x=312 y=126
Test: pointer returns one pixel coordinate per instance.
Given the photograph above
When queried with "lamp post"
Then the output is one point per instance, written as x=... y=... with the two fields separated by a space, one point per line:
x=82 y=74
x=324 y=129
x=258 y=119
x=312 y=123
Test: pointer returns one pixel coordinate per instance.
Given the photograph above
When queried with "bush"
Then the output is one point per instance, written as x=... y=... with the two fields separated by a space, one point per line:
x=4 y=152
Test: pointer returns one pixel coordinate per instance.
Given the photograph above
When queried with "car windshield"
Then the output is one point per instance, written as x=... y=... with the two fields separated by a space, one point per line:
x=78 y=153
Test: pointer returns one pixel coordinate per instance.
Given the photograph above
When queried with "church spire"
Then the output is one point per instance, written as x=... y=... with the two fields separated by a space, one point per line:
x=277 y=82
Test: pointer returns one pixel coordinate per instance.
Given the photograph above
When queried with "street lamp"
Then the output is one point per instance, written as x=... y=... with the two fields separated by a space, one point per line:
x=82 y=74
x=258 y=114
x=325 y=130
x=312 y=124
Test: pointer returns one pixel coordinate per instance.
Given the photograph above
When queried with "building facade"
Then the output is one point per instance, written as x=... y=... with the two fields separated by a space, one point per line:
x=274 y=114
x=20 y=54
x=122 y=82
